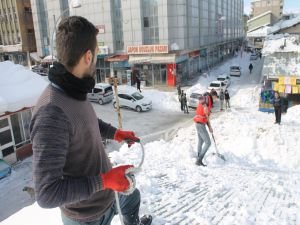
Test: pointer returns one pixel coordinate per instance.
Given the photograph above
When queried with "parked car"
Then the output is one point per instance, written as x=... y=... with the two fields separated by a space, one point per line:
x=253 y=56
x=225 y=78
x=217 y=85
x=193 y=100
x=5 y=169
x=133 y=100
x=101 y=93
x=235 y=70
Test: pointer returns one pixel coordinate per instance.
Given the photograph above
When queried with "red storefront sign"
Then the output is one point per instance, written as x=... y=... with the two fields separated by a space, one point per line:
x=171 y=74
x=194 y=54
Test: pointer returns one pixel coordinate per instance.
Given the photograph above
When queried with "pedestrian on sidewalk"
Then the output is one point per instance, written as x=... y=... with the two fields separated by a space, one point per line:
x=222 y=98
x=179 y=92
x=181 y=100
x=277 y=108
x=250 y=68
x=227 y=99
x=184 y=103
x=138 y=82
x=71 y=168
x=201 y=119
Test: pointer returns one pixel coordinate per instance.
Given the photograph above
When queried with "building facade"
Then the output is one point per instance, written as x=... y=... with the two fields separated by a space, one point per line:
x=262 y=6
x=165 y=42
x=17 y=37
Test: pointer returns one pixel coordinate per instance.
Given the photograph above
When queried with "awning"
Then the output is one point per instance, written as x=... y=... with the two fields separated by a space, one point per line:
x=35 y=56
x=49 y=59
x=154 y=59
x=117 y=58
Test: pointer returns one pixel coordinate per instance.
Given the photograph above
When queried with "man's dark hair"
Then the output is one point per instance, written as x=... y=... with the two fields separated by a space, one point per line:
x=75 y=35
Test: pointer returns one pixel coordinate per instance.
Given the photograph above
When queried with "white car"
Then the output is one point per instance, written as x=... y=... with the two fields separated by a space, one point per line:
x=225 y=78
x=193 y=100
x=217 y=86
x=133 y=100
x=235 y=70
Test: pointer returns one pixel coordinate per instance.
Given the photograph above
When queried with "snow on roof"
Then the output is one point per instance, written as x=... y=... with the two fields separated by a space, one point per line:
x=281 y=43
x=260 y=32
x=283 y=24
x=19 y=87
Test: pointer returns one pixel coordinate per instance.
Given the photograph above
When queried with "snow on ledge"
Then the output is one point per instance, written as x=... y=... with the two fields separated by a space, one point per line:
x=19 y=87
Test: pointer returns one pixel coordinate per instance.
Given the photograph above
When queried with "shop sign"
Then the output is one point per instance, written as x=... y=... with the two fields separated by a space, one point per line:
x=194 y=54
x=103 y=50
x=101 y=29
x=148 y=49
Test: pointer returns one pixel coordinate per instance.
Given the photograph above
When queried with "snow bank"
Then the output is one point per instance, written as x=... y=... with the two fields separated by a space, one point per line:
x=19 y=87
x=274 y=43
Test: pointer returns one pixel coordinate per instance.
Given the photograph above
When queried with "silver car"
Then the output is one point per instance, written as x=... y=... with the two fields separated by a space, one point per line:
x=101 y=93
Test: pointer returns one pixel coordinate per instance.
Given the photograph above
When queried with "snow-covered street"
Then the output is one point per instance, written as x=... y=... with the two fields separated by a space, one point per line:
x=258 y=184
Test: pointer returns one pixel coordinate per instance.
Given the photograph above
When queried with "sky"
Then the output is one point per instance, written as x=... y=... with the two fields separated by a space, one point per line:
x=289 y=6
x=257 y=184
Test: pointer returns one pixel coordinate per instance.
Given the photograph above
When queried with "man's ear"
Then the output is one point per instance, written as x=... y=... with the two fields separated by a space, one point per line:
x=88 y=57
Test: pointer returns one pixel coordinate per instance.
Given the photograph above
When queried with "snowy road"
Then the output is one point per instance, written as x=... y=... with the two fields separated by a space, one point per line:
x=144 y=124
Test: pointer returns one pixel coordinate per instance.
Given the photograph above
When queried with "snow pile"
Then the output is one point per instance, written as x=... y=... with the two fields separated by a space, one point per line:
x=246 y=98
x=19 y=87
x=281 y=43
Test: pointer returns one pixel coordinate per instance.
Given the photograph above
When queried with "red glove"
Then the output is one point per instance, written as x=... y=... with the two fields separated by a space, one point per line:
x=115 y=179
x=127 y=136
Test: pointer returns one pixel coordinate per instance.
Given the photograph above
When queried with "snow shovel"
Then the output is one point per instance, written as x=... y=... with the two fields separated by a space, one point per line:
x=218 y=154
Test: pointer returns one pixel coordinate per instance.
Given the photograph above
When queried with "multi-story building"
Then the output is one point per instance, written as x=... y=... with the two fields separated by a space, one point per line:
x=262 y=6
x=17 y=38
x=164 y=41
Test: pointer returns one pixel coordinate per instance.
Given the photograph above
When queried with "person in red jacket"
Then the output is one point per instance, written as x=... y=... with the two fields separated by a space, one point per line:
x=202 y=119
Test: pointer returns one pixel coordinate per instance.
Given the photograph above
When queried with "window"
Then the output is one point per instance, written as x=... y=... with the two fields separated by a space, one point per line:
x=3 y=123
x=108 y=89
x=126 y=97
x=20 y=126
x=97 y=90
x=8 y=151
x=146 y=22
x=5 y=137
x=27 y=9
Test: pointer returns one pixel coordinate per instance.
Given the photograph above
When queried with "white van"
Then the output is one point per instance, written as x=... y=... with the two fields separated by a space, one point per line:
x=101 y=93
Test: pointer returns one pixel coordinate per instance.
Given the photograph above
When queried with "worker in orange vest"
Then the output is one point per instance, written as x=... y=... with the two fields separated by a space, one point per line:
x=202 y=119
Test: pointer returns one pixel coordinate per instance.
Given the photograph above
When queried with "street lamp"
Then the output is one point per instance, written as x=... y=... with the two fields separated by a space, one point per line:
x=74 y=4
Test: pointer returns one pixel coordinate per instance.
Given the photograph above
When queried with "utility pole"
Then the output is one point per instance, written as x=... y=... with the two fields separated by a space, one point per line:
x=114 y=82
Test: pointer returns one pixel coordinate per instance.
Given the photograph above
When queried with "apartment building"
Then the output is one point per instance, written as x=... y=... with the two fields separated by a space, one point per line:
x=262 y=6
x=165 y=42
x=17 y=38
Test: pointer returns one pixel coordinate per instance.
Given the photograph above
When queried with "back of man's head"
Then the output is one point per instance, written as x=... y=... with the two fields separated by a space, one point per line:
x=75 y=36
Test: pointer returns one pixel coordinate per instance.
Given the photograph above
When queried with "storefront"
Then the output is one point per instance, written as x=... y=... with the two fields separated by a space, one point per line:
x=118 y=67
x=151 y=63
